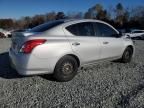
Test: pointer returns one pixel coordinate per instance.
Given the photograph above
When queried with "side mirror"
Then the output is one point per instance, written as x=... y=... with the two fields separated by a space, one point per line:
x=119 y=34
x=127 y=36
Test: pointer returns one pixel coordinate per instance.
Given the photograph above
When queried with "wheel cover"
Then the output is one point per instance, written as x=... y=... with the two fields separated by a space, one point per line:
x=67 y=68
x=127 y=55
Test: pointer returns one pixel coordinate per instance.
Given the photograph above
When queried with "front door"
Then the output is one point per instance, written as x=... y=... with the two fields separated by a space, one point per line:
x=111 y=44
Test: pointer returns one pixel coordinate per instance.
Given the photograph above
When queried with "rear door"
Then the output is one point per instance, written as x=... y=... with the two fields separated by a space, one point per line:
x=111 y=45
x=84 y=42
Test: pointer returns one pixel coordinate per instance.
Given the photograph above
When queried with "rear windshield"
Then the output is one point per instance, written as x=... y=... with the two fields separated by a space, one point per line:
x=46 y=26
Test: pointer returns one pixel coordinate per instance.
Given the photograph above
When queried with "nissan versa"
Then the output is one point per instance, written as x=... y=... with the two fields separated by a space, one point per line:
x=60 y=47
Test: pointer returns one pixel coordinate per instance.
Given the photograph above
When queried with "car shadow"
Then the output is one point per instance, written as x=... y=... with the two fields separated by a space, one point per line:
x=48 y=77
x=5 y=70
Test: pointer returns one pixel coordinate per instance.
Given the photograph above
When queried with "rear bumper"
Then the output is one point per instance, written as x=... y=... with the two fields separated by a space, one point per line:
x=28 y=65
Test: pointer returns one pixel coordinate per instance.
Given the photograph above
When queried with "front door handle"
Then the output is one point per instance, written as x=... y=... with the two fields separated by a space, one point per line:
x=76 y=43
x=105 y=42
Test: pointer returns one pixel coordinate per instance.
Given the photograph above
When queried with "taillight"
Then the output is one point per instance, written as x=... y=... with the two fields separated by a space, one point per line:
x=31 y=44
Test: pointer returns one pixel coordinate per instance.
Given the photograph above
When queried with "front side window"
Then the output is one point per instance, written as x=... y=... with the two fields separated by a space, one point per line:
x=103 y=30
x=81 y=29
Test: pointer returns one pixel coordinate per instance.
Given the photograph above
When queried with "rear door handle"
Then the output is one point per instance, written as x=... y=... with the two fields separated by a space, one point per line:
x=105 y=42
x=76 y=43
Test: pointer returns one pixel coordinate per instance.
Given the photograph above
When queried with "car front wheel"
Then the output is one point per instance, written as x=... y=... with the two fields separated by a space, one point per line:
x=127 y=55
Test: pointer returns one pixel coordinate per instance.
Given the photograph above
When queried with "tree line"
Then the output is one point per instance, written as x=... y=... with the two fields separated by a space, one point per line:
x=119 y=16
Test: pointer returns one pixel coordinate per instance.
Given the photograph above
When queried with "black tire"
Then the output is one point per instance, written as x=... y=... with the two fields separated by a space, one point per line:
x=127 y=55
x=66 y=69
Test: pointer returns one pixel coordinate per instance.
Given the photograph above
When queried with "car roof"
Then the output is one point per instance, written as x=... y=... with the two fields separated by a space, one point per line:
x=81 y=20
x=67 y=22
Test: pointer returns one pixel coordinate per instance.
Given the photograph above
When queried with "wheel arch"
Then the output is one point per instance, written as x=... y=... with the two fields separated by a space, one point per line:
x=74 y=56
x=133 y=49
x=130 y=46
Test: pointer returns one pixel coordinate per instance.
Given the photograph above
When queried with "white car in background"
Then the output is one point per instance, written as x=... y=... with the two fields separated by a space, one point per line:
x=6 y=33
x=136 y=34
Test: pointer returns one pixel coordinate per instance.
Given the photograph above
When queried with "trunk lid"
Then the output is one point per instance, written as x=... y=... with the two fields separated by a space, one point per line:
x=18 y=39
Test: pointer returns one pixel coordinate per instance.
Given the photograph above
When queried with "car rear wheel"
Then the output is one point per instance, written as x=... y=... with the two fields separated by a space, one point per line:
x=127 y=55
x=65 y=69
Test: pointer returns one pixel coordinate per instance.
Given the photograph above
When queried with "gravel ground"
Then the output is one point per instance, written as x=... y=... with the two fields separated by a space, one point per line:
x=104 y=85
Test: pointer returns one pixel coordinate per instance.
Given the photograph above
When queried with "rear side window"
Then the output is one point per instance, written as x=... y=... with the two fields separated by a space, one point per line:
x=103 y=30
x=46 y=26
x=73 y=29
x=81 y=29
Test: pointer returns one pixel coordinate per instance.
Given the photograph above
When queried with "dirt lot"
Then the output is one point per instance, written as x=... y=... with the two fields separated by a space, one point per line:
x=107 y=85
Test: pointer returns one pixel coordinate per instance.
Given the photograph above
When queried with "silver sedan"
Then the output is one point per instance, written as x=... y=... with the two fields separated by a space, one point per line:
x=60 y=47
